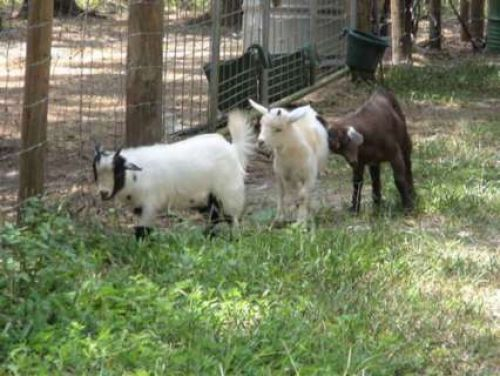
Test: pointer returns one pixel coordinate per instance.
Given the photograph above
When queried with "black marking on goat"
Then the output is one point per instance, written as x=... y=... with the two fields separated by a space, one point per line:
x=322 y=120
x=257 y=126
x=215 y=214
x=134 y=177
x=119 y=171
x=279 y=112
x=129 y=197
x=97 y=159
x=138 y=211
x=141 y=232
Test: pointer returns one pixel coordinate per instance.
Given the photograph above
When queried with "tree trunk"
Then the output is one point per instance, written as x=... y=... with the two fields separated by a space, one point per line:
x=375 y=17
x=408 y=28
x=477 y=19
x=435 y=24
x=465 y=15
x=397 y=30
x=363 y=16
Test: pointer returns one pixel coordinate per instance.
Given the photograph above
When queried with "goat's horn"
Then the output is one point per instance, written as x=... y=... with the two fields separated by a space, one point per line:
x=260 y=108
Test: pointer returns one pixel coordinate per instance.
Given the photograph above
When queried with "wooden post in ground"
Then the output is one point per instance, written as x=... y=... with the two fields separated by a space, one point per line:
x=35 y=102
x=213 y=89
x=144 y=72
x=435 y=24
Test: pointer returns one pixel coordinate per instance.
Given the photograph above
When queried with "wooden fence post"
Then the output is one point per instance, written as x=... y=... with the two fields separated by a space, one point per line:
x=213 y=90
x=266 y=18
x=35 y=102
x=144 y=72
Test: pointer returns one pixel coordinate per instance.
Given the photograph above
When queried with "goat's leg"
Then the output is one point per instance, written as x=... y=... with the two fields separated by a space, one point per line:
x=146 y=216
x=280 y=207
x=409 y=174
x=303 y=204
x=358 y=170
x=215 y=215
x=400 y=178
x=376 y=185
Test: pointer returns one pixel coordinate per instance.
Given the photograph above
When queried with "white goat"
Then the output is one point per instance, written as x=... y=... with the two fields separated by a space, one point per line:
x=300 y=146
x=201 y=171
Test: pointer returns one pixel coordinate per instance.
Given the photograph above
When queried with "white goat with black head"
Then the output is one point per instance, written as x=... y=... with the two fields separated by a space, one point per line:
x=299 y=142
x=205 y=172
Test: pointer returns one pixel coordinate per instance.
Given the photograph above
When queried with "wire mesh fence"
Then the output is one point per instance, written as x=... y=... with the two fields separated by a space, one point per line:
x=266 y=50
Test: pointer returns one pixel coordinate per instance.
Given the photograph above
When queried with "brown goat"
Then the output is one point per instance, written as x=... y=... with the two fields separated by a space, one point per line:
x=375 y=133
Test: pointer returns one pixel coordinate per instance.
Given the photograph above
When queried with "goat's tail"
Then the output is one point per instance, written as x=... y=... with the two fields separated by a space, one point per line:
x=242 y=135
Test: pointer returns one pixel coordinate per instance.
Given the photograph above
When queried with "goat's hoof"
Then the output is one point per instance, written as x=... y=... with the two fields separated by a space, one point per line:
x=142 y=232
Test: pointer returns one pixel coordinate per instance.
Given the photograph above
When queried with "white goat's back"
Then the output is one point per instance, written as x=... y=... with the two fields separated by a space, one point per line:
x=183 y=174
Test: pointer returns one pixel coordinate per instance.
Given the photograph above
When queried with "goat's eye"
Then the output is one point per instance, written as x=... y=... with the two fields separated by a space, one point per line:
x=277 y=130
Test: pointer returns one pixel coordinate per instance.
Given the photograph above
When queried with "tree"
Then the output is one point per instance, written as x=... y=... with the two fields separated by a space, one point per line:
x=408 y=29
x=363 y=15
x=477 y=19
x=465 y=15
x=435 y=24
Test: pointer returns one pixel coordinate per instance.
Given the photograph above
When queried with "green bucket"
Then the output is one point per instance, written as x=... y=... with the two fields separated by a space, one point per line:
x=364 y=50
x=493 y=30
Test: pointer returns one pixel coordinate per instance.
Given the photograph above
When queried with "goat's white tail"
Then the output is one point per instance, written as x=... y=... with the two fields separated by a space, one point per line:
x=242 y=135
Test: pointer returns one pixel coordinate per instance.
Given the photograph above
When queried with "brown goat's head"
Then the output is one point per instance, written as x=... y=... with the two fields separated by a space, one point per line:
x=345 y=141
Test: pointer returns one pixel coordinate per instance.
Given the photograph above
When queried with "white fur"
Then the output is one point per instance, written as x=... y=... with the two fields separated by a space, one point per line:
x=355 y=136
x=182 y=175
x=300 y=147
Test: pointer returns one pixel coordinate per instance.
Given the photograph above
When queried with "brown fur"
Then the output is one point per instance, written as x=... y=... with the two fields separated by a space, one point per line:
x=382 y=124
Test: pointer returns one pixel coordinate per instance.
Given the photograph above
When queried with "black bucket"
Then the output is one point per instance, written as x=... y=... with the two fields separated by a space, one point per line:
x=364 y=50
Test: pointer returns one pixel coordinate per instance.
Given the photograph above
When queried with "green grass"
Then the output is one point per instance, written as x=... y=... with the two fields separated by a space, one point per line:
x=77 y=300
x=447 y=83
x=375 y=294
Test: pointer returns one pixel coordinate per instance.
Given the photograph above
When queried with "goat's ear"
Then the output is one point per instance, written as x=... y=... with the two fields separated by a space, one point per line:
x=355 y=136
x=132 y=167
x=260 y=108
x=298 y=113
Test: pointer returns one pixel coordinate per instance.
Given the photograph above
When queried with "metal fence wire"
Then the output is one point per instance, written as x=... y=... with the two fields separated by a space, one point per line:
x=262 y=49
